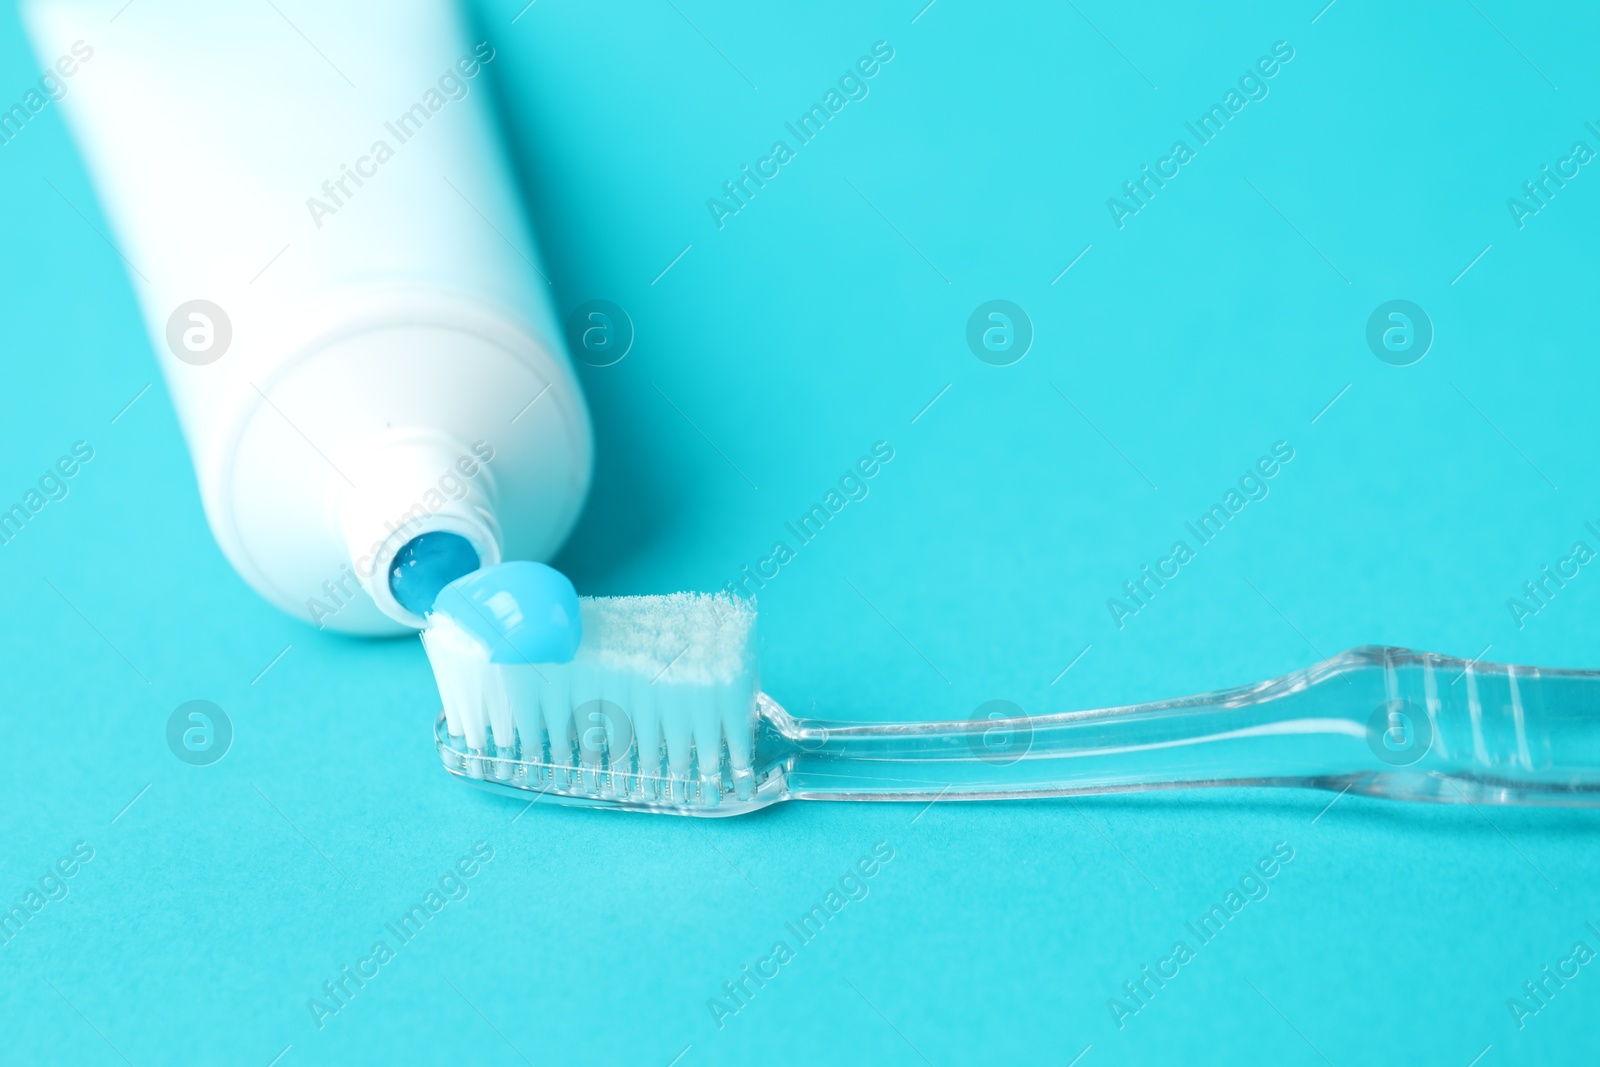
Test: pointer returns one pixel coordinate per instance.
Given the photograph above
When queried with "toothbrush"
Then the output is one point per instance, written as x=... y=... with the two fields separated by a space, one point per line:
x=660 y=710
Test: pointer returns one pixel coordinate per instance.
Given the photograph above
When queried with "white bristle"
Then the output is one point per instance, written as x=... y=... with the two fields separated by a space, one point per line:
x=661 y=688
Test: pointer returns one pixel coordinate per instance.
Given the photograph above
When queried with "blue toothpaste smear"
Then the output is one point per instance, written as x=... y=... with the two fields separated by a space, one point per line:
x=522 y=612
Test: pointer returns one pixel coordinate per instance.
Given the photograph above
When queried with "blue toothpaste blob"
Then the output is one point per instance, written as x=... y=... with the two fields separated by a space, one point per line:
x=522 y=612
x=426 y=564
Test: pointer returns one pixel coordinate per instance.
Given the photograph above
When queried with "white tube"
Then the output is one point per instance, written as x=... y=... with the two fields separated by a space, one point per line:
x=338 y=280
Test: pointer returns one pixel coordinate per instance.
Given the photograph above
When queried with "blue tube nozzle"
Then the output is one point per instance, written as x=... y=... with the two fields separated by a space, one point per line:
x=425 y=565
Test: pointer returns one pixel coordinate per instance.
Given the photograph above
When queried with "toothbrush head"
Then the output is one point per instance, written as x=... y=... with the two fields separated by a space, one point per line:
x=658 y=709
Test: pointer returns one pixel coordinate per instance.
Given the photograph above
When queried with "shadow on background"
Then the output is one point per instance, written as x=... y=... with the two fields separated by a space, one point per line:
x=627 y=478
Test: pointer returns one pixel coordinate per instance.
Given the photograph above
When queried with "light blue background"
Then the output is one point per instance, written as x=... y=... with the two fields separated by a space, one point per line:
x=1223 y=318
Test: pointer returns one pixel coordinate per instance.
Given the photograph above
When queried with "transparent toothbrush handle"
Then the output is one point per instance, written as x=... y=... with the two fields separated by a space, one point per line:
x=1381 y=721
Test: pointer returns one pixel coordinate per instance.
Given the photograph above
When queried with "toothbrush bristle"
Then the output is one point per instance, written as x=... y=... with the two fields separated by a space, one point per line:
x=658 y=707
